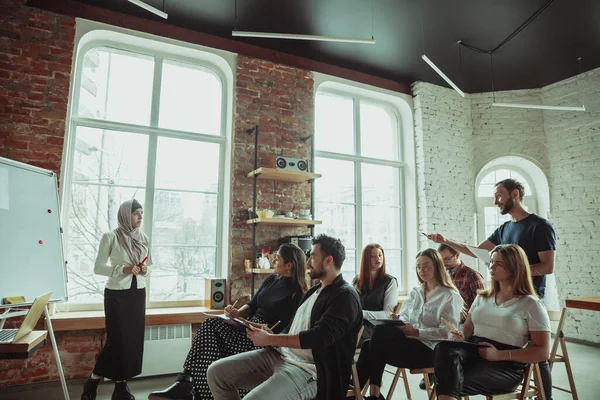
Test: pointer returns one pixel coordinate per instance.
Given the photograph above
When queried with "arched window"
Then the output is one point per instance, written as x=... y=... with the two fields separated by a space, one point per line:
x=359 y=198
x=489 y=214
x=146 y=122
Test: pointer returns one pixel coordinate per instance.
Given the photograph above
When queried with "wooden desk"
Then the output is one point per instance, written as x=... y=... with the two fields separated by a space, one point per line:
x=24 y=347
x=585 y=303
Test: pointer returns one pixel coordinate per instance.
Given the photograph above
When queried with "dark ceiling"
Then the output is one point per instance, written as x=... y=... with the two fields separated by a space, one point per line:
x=545 y=52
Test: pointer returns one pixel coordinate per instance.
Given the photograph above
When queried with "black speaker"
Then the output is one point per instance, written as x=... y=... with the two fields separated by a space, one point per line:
x=291 y=164
x=215 y=289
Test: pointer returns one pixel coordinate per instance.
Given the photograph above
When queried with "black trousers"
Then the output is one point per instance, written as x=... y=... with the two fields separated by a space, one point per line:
x=460 y=370
x=389 y=345
x=125 y=315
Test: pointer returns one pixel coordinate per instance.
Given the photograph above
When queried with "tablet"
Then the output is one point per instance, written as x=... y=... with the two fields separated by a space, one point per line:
x=391 y=321
x=242 y=322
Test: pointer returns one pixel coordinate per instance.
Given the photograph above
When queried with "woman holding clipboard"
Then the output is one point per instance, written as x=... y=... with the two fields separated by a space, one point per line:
x=503 y=318
x=411 y=344
x=274 y=304
x=123 y=256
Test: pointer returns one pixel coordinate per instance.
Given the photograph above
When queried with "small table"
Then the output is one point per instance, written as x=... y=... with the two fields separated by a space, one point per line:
x=585 y=303
x=24 y=347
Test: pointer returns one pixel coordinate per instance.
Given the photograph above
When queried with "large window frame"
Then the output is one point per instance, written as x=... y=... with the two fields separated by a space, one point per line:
x=358 y=160
x=153 y=132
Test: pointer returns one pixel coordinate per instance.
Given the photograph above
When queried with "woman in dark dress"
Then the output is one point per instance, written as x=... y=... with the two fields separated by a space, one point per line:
x=275 y=301
x=378 y=291
x=123 y=256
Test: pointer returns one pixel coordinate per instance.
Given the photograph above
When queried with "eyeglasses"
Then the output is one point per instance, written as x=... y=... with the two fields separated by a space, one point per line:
x=448 y=258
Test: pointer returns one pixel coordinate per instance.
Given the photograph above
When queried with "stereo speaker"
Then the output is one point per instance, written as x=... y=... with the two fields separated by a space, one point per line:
x=215 y=289
x=291 y=164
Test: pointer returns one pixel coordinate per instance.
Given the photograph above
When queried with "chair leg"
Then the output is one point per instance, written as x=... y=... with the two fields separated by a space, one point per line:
x=406 y=387
x=427 y=385
x=565 y=355
x=537 y=376
x=394 y=382
x=357 y=391
x=364 y=389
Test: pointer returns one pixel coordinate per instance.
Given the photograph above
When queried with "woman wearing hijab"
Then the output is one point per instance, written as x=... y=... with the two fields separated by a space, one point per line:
x=123 y=256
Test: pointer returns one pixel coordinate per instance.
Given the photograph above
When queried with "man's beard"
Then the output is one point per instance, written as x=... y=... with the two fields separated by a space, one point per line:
x=507 y=207
x=314 y=274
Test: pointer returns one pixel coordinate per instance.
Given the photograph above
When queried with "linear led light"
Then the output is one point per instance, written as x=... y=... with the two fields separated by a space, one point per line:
x=539 y=106
x=270 y=35
x=148 y=7
x=440 y=73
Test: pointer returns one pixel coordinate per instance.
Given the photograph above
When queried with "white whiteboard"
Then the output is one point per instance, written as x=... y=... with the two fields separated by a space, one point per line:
x=31 y=252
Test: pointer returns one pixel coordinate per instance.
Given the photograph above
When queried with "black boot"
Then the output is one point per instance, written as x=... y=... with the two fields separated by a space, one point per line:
x=89 y=389
x=431 y=381
x=122 y=392
x=182 y=389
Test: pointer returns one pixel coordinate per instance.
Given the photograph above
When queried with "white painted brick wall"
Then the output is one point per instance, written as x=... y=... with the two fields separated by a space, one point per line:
x=444 y=156
x=455 y=137
x=573 y=143
x=499 y=131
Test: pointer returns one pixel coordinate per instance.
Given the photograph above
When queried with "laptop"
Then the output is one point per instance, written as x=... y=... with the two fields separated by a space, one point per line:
x=32 y=317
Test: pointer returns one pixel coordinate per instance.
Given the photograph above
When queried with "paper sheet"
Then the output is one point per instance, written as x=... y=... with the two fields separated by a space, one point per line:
x=3 y=188
x=481 y=254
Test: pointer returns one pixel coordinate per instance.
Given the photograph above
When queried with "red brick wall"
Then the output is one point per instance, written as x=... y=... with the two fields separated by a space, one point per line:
x=36 y=51
x=280 y=100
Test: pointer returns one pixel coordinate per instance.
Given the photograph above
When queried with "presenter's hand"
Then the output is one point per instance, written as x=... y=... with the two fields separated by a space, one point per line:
x=436 y=237
x=131 y=270
x=231 y=312
x=489 y=353
x=143 y=268
x=259 y=337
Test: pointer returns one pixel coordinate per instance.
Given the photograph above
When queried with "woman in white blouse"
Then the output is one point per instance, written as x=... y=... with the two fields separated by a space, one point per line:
x=411 y=345
x=504 y=318
x=123 y=256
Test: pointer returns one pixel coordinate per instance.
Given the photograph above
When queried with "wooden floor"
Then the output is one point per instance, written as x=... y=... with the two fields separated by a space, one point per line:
x=585 y=363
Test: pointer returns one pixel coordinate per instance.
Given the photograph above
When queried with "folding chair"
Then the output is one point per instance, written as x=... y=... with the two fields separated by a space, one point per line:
x=559 y=338
x=527 y=389
x=355 y=389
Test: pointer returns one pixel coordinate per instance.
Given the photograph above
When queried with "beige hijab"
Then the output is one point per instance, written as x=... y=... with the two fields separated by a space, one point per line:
x=131 y=239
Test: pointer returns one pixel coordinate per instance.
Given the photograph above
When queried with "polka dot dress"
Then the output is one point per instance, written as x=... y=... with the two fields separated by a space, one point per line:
x=215 y=339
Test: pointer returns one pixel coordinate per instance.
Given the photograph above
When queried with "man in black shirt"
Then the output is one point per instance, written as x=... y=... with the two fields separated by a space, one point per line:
x=313 y=356
x=533 y=233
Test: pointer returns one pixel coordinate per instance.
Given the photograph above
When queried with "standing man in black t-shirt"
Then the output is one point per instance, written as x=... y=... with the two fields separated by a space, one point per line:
x=533 y=233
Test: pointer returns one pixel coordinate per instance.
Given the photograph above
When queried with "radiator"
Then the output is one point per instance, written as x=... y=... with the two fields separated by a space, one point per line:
x=165 y=349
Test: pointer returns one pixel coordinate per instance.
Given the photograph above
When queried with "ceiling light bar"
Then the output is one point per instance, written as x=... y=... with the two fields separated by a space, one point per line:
x=440 y=73
x=148 y=7
x=269 y=35
x=539 y=106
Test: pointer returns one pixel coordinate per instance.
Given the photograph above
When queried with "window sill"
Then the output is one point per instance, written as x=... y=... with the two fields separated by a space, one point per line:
x=87 y=320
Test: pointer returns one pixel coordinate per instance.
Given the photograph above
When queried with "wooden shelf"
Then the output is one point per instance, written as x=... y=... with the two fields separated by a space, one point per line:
x=283 y=175
x=259 y=271
x=283 y=221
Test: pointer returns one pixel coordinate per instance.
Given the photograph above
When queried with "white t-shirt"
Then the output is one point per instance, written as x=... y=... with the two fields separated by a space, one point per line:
x=510 y=322
x=426 y=315
x=302 y=358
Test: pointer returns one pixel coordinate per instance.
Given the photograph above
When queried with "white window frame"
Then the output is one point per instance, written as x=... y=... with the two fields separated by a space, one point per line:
x=92 y=35
x=358 y=161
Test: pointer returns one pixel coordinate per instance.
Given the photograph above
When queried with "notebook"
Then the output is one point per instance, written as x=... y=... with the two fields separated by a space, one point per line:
x=32 y=317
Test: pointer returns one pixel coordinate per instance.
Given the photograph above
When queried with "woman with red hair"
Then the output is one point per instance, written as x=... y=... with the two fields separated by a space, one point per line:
x=378 y=291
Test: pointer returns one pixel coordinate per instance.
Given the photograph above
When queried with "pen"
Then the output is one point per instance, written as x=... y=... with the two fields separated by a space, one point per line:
x=275 y=325
x=144 y=260
x=449 y=326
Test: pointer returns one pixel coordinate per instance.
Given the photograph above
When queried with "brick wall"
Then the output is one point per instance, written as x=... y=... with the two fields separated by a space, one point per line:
x=280 y=100
x=36 y=50
x=444 y=156
x=499 y=131
x=574 y=154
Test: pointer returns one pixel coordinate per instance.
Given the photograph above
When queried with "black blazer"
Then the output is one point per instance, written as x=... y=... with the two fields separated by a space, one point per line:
x=335 y=320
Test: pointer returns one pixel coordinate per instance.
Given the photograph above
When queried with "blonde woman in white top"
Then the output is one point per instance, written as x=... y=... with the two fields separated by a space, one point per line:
x=411 y=345
x=123 y=256
x=504 y=318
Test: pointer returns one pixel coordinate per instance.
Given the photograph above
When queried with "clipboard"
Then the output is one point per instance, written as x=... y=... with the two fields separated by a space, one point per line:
x=390 y=321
